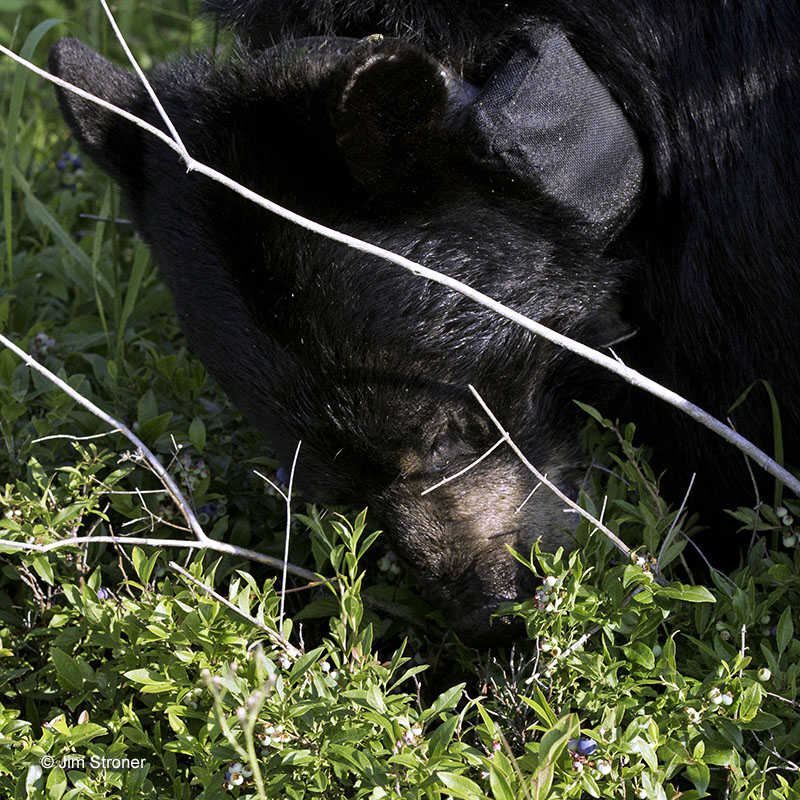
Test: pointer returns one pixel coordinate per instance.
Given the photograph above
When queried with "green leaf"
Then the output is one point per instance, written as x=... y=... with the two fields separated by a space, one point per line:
x=646 y=751
x=147 y=407
x=152 y=682
x=85 y=733
x=762 y=722
x=67 y=669
x=785 y=630
x=305 y=662
x=721 y=756
x=154 y=427
x=555 y=741
x=375 y=699
x=39 y=212
x=700 y=775
x=553 y=744
x=197 y=434
x=540 y=705
x=640 y=653
x=140 y=261
x=459 y=786
x=750 y=702
x=409 y=673
x=542 y=781
x=44 y=569
x=448 y=699
x=144 y=564
x=689 y=594
x=21 y=76
x=56 y=784
x=731 y=731
x=593 y=413
x=440 y=738
x=499 y=780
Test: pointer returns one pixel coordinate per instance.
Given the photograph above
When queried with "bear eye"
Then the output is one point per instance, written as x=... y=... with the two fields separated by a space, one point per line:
x=448 y=446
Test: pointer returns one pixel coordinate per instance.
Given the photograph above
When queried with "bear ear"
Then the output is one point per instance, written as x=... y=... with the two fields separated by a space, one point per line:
x=546 y=117
x=390 y=116
x=107 y=138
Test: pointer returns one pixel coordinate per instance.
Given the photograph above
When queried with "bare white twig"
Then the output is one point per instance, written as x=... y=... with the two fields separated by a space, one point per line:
x=155 y=464
x=92 y=98
x=629 y=375
x=189 y=544
x=790 y=765
x=577 y=644
x=288 y=532
x=276 y=637
x=467 y=468
x=75 y=438
x=528 y=497
x=668 y=538
x=146 y=83
x=743 y=647
x=615 y=540
x=202 y=542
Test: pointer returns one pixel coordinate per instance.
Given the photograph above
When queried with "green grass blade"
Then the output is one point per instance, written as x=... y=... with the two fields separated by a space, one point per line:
x=140 y=262
x=17 y=93
x=45 y=218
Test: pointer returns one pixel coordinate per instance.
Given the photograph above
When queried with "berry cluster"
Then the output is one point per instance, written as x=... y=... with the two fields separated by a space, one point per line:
x=236 y=775
x=580 y=750
x=791 y=537
x=409 y=738
x=69 y=161
x=550 y=594
x=41 y=345
x=390 y=565
x=646 y=561
x=192 y=471
x=273 y=736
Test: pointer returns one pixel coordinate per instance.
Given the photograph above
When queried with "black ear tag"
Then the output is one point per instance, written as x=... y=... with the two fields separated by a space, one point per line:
x=546 y=117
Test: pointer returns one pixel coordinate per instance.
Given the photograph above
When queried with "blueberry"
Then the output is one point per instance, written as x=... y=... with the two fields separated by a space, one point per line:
x=586 y=746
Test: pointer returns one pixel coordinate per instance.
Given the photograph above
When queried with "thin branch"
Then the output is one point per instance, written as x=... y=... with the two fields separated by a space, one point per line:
x=786 y=700
x=203 y=541
x=8 y=544
x=668 y=538
x=531 y=493
x=629 y=375
x=791 y=766
x=578 y=643
x=151 y=459
x=75 y=438
x=276 y=637
x=467 y=468
x=615 y=540
x=288 y=532
x=92 y=98
x=146 y=83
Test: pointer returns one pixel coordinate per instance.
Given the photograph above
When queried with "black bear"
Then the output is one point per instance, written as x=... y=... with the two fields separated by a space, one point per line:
x=624 y=171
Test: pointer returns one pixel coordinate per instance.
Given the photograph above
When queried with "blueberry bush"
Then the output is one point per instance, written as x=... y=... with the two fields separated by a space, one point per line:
x=150 y=672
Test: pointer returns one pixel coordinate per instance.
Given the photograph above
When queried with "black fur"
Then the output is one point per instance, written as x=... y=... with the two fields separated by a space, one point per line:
x=367 y=364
